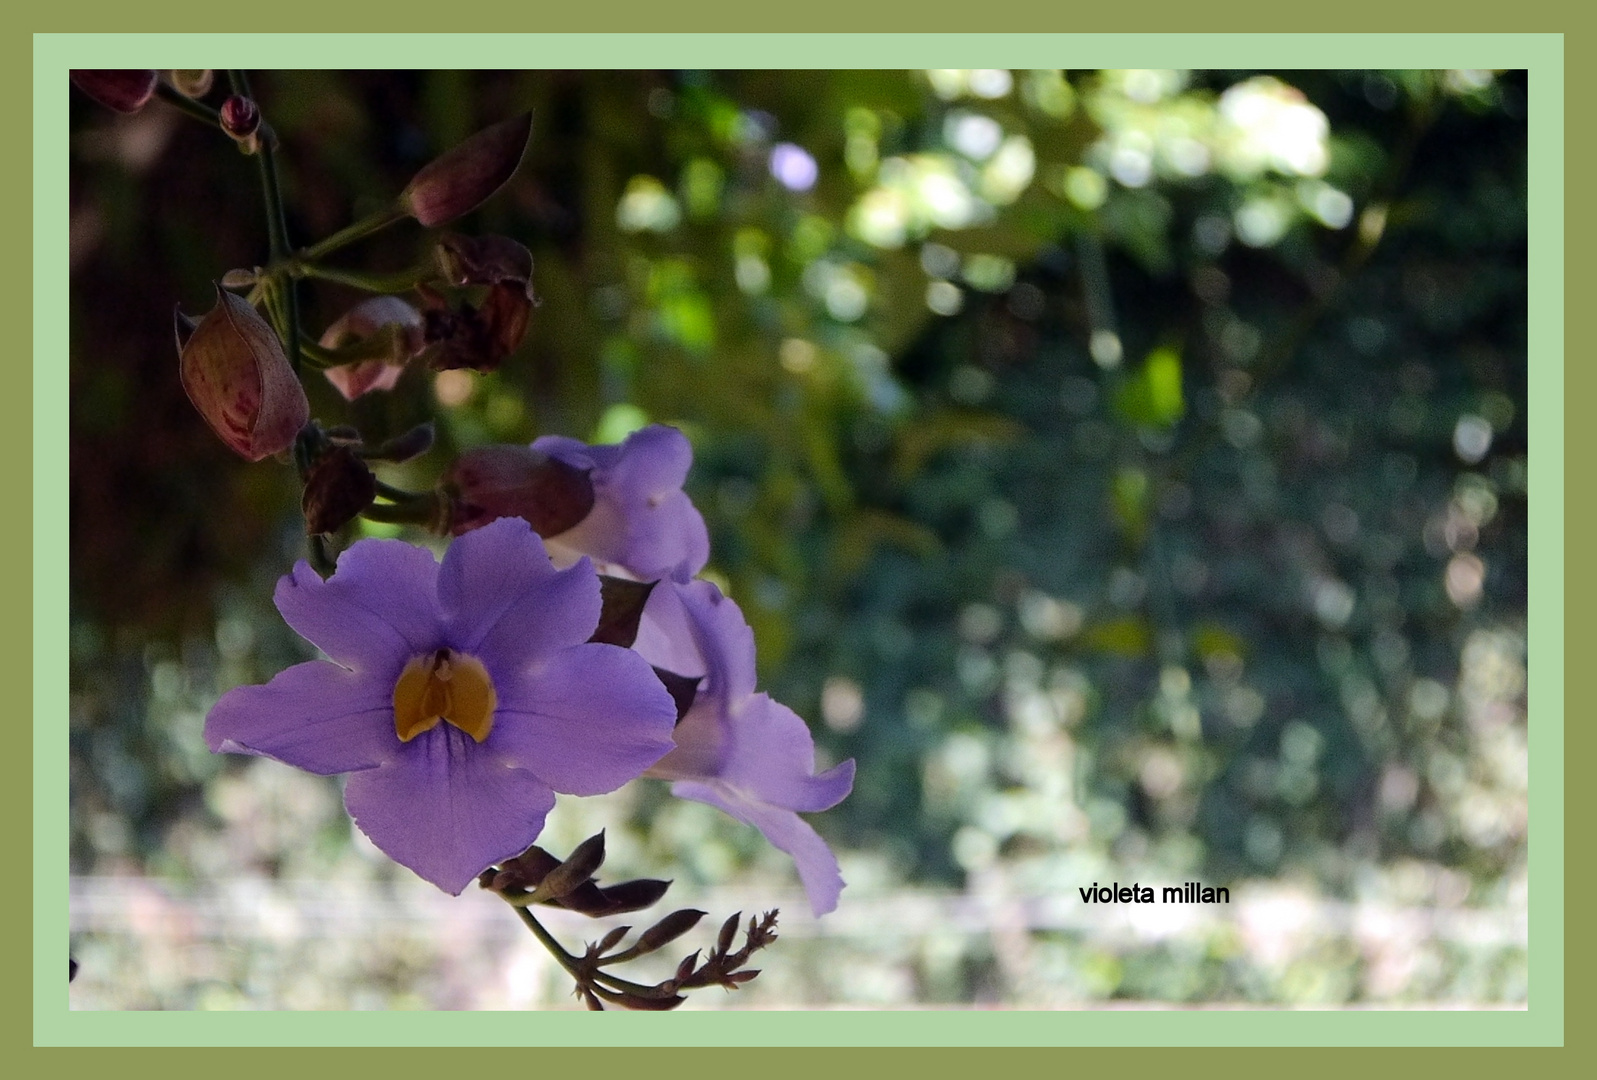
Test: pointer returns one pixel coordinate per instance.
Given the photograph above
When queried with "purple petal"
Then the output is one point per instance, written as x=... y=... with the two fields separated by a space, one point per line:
x=376 y=612
x=587 y=721
x=771 y=754
x=506 y=604
x=665 y=633
x=447 y=809
x=817 y=866
x=641 y=520
x=725 y=639
x=315 y=716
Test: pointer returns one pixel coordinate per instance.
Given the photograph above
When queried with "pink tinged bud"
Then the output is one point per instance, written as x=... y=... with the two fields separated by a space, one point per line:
x=387 y=332
x=241 y=120
x=516 y=481
x=462 y=179
x=124 y=91
x=234 y=371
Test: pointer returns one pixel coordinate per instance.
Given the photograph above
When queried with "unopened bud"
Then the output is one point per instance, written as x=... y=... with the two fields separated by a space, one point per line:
x=124 y=91
x=633 y=895
x=192 y=84
x=729 y=929
x=235 y=372
x=578 y=868
x=516 y=481
x=241 y=120
x=611 y=939
x=666 y=930
x=340 y=486
x=525 y=871
x=386 y=332
x=463 y=178
x=685 y=968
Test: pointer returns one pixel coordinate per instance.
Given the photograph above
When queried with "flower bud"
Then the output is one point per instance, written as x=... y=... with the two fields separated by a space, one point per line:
x=241 y=120
x=234 y=371
x=390 y=332
x=340 y=486
x=124 y=91
x=462 y=179
x=516 y=481
x=192 y=84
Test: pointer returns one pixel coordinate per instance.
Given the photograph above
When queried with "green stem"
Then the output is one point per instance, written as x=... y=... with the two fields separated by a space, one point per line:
x=403 y=497
x=401 y=281
x=276 y=220
x=421 y=512
x=575 y=968
x=187 y=105
x=361 y=229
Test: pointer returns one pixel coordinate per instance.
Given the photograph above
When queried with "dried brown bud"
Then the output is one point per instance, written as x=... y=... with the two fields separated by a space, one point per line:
x=485 y=260
x=124 y=91
x=516 y=481
x=340 y=485
x=192 y=84
x=386 y=332
x=479 y=338
x=463 y=178
x=236 y=374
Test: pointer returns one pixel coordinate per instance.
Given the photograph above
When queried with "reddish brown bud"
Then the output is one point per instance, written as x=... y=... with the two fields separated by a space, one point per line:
x=124 y=91
x=516 y=481
x=613 y=938
x=340 y=485
x=633 y=895
x=385 y=332
x=234 y=371
x=463 y=178
x=667 y=930
x=193 y=84
x=525 y=871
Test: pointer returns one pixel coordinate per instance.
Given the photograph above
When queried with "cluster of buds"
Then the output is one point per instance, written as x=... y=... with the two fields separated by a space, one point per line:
x=536 y=877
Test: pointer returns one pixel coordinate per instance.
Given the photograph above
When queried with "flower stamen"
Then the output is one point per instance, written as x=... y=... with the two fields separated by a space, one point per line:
x=444 y=686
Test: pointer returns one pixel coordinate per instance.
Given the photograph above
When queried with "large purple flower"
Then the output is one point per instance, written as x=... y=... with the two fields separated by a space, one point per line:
x=460 y=697
x=737 y=750
x=642 y=523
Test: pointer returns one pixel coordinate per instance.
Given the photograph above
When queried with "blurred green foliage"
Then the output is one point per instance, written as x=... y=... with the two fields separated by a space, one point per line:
x=1126 y=468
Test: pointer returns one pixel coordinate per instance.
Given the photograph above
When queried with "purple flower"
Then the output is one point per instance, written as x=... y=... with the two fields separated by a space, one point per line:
x=642 y=523
x=737 y=750
x=459 y=697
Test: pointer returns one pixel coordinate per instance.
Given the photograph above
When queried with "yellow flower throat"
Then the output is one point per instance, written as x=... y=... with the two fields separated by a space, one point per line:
x=448 y=686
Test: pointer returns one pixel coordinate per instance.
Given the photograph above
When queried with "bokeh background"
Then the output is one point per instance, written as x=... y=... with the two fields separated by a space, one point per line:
x=1126 y=468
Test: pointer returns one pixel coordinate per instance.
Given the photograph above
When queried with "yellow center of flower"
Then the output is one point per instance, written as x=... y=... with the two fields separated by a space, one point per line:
x=444 y=686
